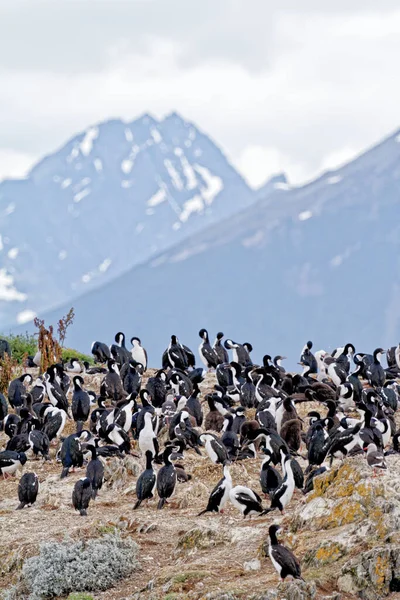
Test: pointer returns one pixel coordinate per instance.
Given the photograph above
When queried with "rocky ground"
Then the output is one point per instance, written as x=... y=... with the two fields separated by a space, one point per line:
x=346 y=533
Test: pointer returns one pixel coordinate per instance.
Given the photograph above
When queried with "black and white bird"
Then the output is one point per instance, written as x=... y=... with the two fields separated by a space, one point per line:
x=166 y=477
x=10 y=461
x=270 y=478
x=54 y=390
x=81 y=495
x=101 y=352
x=393 y=358
x=28 y=489
x=38 y=391
x=336 y=371
x=277 y=363
x=119 y=351
x=131 y=379
x=215 y=449
x=175 y=355
x=54 y=422
x=246 y=500
x=240 y=353
x=157 y=388
x=375 y=372
x=17 y=391
x=139 y=353
x=281 y=557
x=146 y=482
x=95 y=471
x=342 y=356
x=219 y=349
x=90 y=370
x=71 y=454
x=74 y=366
x=308 y=358
x=239 y=419
x=344 y=441
x=39 y=443
x=147 y=437
x=80 y=406
x=3 y=410
x=229 y=437
x=220 y=494
x=111 y=386
x=193 y=406
x=10 y=424
x=115 y=434
x=124 y=413
x=207 y=353
x=248 y=391
x=284 y=493
x=375 y=458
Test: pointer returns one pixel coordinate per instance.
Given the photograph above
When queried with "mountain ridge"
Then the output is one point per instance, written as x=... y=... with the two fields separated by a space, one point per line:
x=319 y=261
x=119 y=179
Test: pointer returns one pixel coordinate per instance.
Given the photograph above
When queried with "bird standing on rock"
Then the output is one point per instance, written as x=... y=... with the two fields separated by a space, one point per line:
x=28 y=489
x=220 y=494
x=375 y=458
x=246 y=500
x=81 y=495
x=215 y=449
x=166 y=477
x=147 y=482
x=207 y=354
x=219 y=349
x=281 y=557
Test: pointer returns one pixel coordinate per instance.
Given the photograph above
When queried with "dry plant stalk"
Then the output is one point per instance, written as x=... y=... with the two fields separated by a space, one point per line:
x=49 y=347
x=63 y=325
x=8 y=366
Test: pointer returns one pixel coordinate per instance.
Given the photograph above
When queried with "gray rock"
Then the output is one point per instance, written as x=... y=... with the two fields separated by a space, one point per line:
x=252 y=565
x=373 y=574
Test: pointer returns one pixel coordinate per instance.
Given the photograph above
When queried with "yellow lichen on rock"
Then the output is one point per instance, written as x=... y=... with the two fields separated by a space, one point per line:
x=344 y=513
x=382 y=568
x=326 y=553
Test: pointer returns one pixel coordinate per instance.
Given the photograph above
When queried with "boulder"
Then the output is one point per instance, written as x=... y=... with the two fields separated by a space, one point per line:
x=373 y=574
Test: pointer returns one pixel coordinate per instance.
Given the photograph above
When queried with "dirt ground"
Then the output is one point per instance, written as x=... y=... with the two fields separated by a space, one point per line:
x=172 y=566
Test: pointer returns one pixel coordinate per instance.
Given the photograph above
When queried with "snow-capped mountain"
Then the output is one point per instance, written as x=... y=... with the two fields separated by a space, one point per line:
x=318 y=262
x=111 y=198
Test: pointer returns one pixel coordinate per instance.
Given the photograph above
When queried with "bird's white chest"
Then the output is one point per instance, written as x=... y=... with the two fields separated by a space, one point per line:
x=277 y=566
x=211 y=452
x=203 y=359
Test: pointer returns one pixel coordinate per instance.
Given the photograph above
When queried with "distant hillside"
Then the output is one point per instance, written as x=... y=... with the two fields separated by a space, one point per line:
x=319 y=262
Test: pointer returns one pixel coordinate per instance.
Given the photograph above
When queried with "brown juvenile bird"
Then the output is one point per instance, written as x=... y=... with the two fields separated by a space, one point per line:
x=291 y=433
x=214 y=421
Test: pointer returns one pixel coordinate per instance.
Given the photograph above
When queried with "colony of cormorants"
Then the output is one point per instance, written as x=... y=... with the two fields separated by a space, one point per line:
x=357 y=398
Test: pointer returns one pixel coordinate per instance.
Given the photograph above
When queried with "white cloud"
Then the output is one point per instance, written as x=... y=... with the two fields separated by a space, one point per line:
x=15 y=164
x=301 y=99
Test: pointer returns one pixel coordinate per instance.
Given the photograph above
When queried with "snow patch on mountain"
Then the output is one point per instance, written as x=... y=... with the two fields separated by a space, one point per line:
x=213 y=184
x=305 y=215
x=86 y=144
x=157 y=198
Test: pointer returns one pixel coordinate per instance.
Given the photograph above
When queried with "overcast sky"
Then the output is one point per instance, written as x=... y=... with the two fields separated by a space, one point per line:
x=293 y=85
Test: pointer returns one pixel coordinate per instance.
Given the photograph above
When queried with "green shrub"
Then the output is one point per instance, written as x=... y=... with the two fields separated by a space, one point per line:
x=68 y=353
x=21 y=344
x=80 y=596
